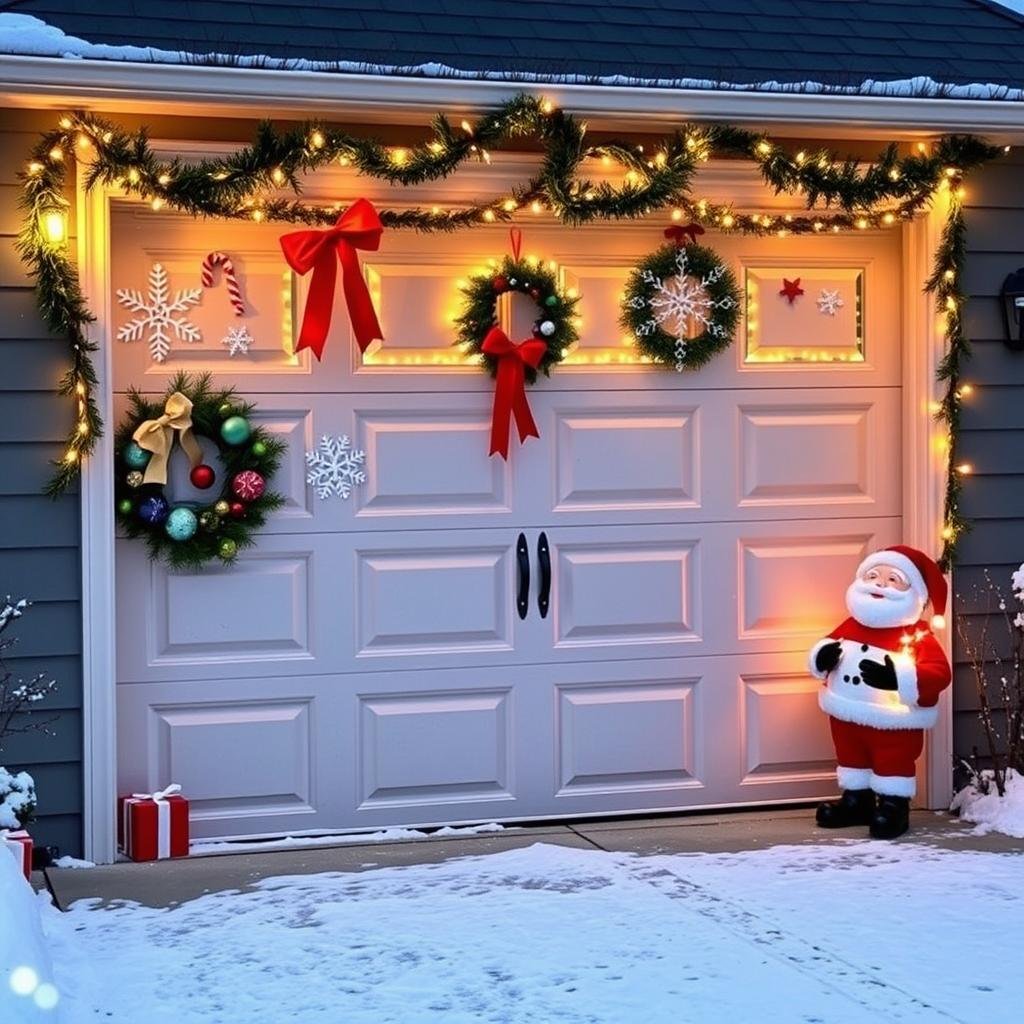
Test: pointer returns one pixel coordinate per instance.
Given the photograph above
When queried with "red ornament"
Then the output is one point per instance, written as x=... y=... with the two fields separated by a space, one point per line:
x=237 y=510
x=534 y=293
x=791 y=289
x=202 y=476
x=248 y=485
x=500 y=284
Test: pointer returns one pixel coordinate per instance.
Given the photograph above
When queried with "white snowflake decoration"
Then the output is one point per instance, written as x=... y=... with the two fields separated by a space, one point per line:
x=157 y=314
x=829 y=302
x=335 y=467
x=238 y=339
x=679 y=301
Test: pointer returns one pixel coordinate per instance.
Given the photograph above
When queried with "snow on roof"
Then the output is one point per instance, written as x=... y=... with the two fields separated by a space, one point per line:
x=26 y=35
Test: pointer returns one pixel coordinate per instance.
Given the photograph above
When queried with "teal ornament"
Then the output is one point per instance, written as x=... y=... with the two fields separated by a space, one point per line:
x=136 y=457
x=181 y=523
x=235 y=430
x=551 y=301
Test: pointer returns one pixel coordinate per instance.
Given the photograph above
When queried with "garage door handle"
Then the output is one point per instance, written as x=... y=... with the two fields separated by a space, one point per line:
x=523 y=558
x=544 y=558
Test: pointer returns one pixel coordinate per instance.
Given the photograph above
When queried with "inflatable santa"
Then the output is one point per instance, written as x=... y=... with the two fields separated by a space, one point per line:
x=882 y=671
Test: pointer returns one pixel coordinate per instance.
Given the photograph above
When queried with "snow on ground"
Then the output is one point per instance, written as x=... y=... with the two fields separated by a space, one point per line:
x=991 y=812
x=860 y=932
x=25 y=35
x=388 y=835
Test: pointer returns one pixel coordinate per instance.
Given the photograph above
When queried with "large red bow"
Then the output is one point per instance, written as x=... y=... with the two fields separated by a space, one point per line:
x=510 y=388
x=358 y=227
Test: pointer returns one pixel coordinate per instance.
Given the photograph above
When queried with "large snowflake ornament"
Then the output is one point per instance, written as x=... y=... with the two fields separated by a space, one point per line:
x=157 y=314
x=238 y=339
x=335 y=467
x=829 y=302
x=682 y=301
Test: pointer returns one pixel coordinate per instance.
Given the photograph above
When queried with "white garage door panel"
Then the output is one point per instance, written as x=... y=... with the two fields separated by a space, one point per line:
x=365 y=664
x=252 y=756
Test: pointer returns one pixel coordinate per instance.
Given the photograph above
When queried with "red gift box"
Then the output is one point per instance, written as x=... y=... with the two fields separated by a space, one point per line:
x=153 y=826
x=20 y=845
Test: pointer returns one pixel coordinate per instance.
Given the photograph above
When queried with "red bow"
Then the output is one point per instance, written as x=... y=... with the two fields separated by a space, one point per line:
x=358 y=227
x=678 y=233
x=510 y=389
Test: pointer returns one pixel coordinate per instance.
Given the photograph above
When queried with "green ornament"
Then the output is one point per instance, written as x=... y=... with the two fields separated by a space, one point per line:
x=259 y=449
x=235 y=430
x=226 y=409
x=125 y=506
x=228 y=549
x=135 y=457
x=209 y=521
x=551 y=301
x=181 y=523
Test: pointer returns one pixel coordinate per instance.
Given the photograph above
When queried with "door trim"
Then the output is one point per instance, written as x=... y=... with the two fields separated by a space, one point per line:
x=923 y=344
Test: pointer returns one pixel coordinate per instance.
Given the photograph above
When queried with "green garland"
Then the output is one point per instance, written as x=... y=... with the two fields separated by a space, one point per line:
x=638 y=305
x=530 y=278
x=248 y=183
x=220 y=535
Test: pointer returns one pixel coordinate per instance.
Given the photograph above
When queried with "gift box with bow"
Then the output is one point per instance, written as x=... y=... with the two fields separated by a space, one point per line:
x=20 y=844
x=153 y=826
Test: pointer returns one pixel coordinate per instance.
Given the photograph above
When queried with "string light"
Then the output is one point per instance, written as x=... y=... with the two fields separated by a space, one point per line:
x=316 y=139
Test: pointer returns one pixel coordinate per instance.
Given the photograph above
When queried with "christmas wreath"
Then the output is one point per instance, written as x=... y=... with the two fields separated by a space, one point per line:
x=554 y=325
x=514 y=364
x=677 y=288
x=189 y=533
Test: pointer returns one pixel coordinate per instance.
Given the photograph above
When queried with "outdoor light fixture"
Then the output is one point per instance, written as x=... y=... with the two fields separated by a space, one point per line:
x=53 y=222
x=1013 y=309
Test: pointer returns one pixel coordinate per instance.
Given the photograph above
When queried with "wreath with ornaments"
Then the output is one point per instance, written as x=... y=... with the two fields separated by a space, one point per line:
x=191 y=533
x=681 y=303
x=554 y=325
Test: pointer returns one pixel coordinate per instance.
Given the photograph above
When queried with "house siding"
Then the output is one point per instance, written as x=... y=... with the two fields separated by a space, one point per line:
x=993 y=419
x=39 y=538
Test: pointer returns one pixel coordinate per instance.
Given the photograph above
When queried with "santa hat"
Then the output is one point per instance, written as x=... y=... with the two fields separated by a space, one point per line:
x=923 y=574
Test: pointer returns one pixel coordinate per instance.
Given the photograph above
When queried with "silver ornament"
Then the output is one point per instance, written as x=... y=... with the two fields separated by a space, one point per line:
x=547 y=328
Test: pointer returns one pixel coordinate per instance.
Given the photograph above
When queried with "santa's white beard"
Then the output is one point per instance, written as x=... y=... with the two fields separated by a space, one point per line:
x=894 y=608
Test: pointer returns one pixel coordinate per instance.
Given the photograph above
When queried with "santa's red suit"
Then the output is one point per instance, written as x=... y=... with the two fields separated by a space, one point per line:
x=882 y=692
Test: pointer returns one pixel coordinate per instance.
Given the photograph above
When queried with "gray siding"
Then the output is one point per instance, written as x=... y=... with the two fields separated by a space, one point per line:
x=993 y=421
x=39 y=538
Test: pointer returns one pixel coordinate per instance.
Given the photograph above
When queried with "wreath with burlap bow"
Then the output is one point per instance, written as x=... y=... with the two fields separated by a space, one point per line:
x=200 y=421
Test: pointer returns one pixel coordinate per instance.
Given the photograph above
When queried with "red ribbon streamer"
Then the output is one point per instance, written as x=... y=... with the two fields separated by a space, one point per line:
x=358 y=227
x=510 y=388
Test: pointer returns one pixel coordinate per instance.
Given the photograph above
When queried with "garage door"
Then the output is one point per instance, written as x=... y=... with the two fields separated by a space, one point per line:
x=368 y=663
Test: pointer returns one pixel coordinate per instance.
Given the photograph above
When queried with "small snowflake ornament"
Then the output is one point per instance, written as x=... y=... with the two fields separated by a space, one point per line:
x=829 y=302
x=335 y=467
x=238 y=339
x=156 y=314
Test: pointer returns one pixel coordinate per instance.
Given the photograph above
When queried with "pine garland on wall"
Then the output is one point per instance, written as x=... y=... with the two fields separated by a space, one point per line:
x=840 y=195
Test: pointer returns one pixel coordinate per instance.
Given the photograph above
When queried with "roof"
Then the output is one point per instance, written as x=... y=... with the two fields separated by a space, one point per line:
x=847 y=45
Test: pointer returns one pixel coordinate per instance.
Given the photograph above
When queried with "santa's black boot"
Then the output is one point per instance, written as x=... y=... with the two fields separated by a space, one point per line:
x=854 y=807
x=892 y=818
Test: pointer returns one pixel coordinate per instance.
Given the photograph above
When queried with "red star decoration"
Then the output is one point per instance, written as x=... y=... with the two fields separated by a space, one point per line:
x=791 y=289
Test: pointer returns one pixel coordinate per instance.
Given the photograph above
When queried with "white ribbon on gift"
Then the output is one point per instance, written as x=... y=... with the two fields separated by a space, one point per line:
x=163 y=818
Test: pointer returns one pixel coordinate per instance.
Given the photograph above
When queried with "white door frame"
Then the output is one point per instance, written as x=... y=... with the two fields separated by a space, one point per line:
x=922 y=459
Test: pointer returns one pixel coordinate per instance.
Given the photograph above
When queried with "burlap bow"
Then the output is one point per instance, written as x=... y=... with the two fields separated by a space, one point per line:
x=157 y=436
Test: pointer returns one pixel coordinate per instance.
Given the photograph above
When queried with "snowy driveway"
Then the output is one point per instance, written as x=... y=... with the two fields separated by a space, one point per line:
x=862 y=932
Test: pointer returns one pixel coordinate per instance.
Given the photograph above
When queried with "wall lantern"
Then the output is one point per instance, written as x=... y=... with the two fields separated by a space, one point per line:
x=1013 y=309
x=53 y=223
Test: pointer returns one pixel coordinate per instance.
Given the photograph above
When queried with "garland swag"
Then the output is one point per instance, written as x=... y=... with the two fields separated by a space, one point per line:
x=247 y=184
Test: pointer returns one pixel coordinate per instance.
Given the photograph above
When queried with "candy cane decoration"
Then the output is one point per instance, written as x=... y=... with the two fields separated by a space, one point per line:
x=222 y=260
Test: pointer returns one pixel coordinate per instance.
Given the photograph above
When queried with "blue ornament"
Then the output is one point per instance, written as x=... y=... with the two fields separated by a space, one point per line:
x=181 y=523
x=136 y=457
x=235 y=430
x=154 y=509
